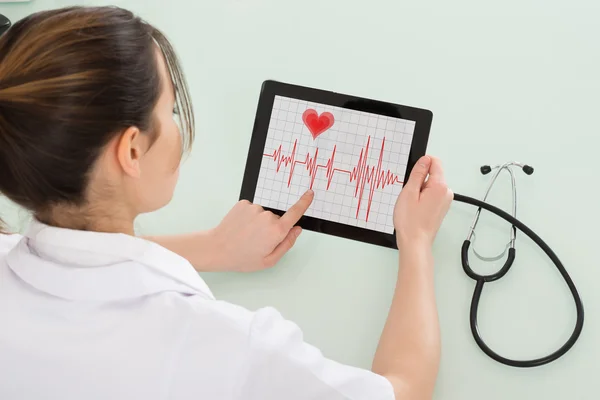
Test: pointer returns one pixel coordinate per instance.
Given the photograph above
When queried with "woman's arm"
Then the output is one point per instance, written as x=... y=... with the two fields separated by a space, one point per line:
x=197 y=248
x=409 y=348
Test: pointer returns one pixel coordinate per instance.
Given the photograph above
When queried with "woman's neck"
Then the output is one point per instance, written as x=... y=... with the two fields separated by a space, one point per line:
x=109 y=219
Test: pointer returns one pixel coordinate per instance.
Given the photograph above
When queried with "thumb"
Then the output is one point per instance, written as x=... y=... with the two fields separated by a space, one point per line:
x=418 y=174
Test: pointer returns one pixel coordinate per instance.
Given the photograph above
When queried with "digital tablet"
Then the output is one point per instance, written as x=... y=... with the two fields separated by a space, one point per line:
x=354 y=153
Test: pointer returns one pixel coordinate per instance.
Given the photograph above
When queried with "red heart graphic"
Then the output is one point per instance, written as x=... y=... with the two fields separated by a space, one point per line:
x=316 y=123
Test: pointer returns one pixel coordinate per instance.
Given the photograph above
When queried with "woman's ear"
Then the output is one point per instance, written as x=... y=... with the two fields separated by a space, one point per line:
x=131 y=145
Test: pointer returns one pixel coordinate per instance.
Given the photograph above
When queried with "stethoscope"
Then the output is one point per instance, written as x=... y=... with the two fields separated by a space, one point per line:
x=510 y=258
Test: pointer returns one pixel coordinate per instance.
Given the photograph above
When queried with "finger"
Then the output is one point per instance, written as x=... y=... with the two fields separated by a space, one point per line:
x=418 y=174
x=283 y=247
x=289 y=219
x=245 y=204
x=436 y=172
x=269 y=216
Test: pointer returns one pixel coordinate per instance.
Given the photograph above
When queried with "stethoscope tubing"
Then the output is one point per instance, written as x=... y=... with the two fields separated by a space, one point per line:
x=481 y=279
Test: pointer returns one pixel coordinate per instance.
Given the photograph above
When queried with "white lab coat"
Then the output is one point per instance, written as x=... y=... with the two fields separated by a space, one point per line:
x=86 y=315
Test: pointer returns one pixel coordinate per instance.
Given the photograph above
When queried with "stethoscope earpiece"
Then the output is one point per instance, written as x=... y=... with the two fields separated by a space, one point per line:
x=528 y=169
x=485 y=169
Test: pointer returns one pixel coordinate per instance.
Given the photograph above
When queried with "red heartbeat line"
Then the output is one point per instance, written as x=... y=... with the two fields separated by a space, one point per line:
x=375 y=176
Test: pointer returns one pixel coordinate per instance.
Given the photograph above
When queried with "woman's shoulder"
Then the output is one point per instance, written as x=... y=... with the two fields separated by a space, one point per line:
x=8 y=242
x=226 y=320
x=230 y=316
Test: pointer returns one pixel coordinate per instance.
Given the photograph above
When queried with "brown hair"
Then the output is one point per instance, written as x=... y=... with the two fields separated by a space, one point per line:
x=71 y=80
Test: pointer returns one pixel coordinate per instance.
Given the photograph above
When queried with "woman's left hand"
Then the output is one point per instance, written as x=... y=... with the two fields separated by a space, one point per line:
x=252 y=239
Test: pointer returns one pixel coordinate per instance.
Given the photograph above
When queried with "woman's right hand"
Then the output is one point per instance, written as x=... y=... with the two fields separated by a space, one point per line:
x=422 y=204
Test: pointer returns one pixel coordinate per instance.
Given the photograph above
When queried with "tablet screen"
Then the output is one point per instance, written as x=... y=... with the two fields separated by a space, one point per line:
x=354 y=161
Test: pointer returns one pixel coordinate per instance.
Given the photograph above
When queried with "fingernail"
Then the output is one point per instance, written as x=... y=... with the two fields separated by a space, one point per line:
x=425 y=161
x=298 y=232
x=310 y=192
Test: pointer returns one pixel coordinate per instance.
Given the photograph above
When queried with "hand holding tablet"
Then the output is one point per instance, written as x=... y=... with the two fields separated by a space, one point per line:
x=354 y=153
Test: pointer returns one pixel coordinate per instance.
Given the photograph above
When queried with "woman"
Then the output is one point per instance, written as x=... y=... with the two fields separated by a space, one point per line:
x=88 y=141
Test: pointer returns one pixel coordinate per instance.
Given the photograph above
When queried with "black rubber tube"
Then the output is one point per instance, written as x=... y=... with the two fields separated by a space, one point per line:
x=489 y=278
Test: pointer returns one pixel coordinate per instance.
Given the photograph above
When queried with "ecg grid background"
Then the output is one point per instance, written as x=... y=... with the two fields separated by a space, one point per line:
x=350 y=132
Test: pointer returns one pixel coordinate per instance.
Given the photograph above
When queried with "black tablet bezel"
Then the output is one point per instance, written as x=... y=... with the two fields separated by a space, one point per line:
x=423 y=119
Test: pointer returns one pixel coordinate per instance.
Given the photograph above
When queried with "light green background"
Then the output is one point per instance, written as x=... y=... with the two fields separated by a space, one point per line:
x=511 y=79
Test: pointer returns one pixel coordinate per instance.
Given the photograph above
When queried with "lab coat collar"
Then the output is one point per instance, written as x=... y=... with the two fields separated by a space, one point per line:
x=82 y=265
